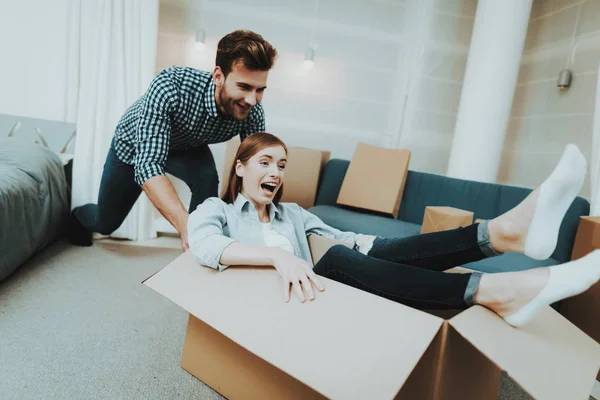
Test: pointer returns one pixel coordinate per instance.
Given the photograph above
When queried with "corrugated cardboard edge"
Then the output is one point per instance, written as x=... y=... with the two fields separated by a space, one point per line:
x=452 y=368
x=550 y=358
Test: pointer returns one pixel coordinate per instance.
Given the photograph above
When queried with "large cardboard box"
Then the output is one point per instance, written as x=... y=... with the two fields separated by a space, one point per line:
x=584 y=310
x=445 y=218
x=245 y=342
x=302 y=172
x=375 y=179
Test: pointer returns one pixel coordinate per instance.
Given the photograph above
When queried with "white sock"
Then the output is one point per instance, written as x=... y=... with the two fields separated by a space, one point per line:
x=364 y=243
x=555 y=197
x=565 y=280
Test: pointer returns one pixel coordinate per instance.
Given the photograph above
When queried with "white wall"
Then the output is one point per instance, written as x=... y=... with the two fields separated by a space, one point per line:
x=544 y=119
x=443 y=37
x=370 y=54
x=33 y=58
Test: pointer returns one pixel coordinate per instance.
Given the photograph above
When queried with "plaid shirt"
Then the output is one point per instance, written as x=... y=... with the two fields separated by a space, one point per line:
x=178 y=111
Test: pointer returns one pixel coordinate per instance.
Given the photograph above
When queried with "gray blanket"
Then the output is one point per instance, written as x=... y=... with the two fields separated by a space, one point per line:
x=33 y=201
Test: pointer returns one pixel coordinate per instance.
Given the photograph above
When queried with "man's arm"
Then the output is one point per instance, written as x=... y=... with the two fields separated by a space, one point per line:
x=162 y=194
x=153 y=134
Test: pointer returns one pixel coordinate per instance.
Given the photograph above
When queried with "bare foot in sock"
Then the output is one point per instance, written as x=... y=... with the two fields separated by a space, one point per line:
x=507 y=292
x=532 y=226
x=519 y=296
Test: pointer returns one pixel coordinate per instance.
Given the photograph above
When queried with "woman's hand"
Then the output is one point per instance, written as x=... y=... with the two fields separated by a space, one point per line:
x=296 y=271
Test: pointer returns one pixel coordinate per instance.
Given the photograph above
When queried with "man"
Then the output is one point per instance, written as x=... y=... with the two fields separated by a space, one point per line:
x=168 y=130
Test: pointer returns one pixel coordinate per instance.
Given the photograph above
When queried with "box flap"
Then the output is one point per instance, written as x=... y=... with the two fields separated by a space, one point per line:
x=302 y=174
x=345 y=344
x=380 y=168
x=320 y=244
x=587 y=237
x=230 y=151
x=550 y=358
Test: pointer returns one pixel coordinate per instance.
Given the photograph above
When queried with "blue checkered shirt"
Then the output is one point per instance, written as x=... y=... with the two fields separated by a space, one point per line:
x=178 y=111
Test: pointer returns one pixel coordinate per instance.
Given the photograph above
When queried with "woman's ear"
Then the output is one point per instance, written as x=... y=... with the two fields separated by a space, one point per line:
x=239 y=168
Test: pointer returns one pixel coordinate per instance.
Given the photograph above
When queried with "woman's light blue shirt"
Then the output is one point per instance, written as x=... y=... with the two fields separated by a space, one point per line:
x=214 y=225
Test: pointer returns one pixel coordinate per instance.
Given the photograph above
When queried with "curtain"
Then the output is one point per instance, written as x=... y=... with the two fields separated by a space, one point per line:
x=595 y=161
x=111 y=61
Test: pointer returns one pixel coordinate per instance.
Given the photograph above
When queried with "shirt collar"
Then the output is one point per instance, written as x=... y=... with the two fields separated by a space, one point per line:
x=209 y=99
x=241 y=201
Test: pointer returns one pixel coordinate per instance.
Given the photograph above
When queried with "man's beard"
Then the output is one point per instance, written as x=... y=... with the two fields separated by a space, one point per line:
x=229 y=105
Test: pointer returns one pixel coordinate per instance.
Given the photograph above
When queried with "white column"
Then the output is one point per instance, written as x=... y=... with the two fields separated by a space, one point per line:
x=486 y=100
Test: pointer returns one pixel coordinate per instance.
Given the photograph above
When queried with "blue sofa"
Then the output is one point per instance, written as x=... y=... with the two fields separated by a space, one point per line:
x=486 y=200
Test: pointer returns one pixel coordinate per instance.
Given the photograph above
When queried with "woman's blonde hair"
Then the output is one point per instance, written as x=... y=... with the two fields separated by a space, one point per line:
x=249 y=147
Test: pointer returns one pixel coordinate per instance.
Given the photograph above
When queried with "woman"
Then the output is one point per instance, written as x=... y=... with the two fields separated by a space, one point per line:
x=250 y=227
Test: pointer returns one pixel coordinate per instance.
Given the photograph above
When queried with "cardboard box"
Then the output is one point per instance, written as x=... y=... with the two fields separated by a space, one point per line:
x=230 y=150
x=302 y=172
x=445 y=218
x=245 y=342
x=375 y=179
x=584 y=310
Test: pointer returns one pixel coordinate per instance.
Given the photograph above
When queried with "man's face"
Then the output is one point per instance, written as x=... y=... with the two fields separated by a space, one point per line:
x=237 y=94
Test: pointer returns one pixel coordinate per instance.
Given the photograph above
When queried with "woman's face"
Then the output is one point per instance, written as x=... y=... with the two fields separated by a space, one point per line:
x=262 y=176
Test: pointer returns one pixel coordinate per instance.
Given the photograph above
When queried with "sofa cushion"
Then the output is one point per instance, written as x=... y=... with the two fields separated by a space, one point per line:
x=368 y=224
x=508 y=262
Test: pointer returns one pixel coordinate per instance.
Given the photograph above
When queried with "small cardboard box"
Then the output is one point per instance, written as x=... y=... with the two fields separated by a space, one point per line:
x=302 y=172
x=375 y=179
x=584 y=310
x=445 y=218
x=245 y=342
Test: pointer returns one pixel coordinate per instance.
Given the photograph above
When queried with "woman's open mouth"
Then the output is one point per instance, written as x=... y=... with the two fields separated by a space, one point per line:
x=268 y=187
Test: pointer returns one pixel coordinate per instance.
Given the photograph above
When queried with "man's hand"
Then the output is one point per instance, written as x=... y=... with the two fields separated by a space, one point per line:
x=162 y=194
x=298 y=273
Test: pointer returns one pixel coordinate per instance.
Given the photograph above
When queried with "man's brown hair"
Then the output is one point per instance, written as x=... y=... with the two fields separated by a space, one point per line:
x=246 y=47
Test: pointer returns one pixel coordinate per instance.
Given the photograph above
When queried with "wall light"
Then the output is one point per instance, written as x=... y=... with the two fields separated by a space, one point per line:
x=200 y=39
x=309 y=58
x=564 y=79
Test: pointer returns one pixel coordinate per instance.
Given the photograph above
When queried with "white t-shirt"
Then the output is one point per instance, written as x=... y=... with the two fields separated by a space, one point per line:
x=275 y=239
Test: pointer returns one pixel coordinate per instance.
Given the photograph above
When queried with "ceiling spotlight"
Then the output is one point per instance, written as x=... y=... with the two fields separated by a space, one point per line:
x=200 y=39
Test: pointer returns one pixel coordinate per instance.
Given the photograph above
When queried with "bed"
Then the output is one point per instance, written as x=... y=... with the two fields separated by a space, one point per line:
x=34 y=201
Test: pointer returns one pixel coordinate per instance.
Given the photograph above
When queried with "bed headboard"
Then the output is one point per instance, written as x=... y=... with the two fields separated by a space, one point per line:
x=55 y=133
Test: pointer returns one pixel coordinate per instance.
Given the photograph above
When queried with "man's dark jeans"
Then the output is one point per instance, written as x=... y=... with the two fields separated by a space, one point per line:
x=119 y=192
x=410 y=270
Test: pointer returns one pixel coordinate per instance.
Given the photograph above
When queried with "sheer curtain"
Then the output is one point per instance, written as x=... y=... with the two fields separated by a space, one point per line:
x=111 y=61
x=595 y=162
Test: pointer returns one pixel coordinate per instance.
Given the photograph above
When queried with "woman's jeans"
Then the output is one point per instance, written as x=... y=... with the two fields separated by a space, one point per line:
x=409 y=270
